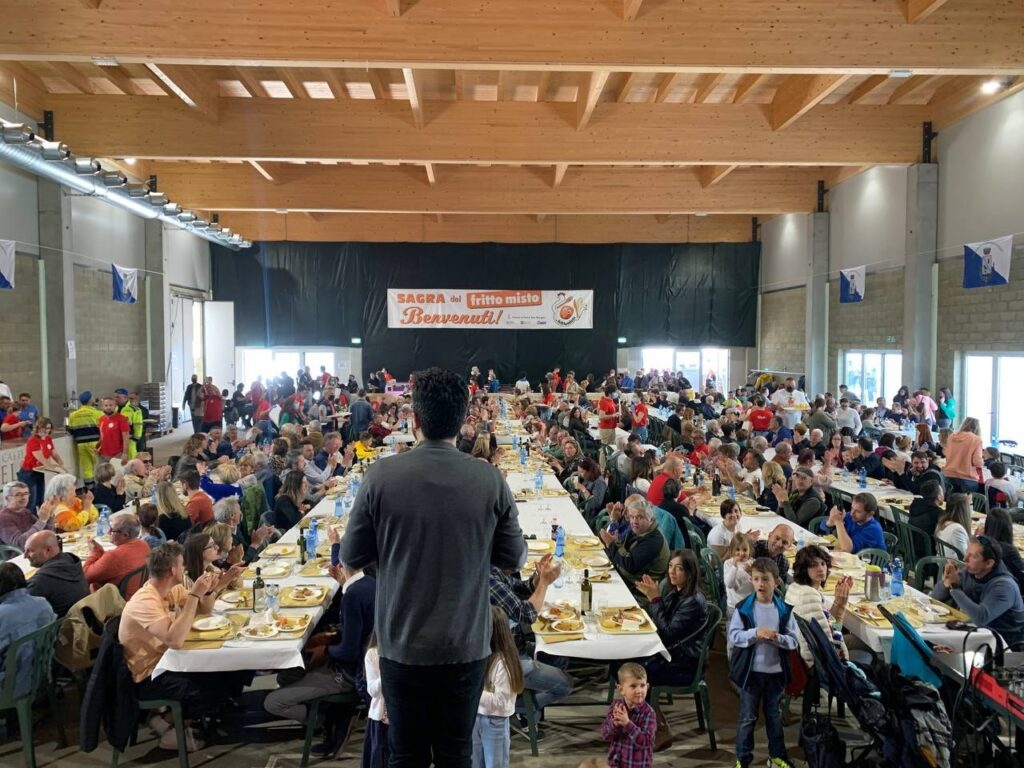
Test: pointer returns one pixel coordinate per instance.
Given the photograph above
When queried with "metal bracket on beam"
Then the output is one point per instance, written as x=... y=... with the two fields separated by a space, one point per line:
x=754 y=227
x=152 y=183
x=47 y=125
x=215 y=218
x=822 y=191
x=927 y=136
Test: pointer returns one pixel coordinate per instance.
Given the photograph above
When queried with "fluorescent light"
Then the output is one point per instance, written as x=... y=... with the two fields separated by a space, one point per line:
x=356 y=340
x=621 y=340
x=130 y=160
x=105 y=61
x=991 y=86
x=700 y=213
x=901 y=74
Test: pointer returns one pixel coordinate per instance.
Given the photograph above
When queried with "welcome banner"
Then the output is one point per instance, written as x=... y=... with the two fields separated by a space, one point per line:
x=494 y=309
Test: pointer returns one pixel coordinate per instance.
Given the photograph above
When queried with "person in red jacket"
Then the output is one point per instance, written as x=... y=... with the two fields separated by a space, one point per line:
x=608 y=416
x=640 y=420
x=110 y=566
x=759 y=416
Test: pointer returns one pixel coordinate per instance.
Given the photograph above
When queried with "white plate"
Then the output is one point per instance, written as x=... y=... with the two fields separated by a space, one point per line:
x=317 y=594
x=551 y=615
x=262 y=632
x=938 y=610
x=273 y=570
x=538 y=546
x=234 y=597
x=596 y=562
x=567 y=625
x=208 y=623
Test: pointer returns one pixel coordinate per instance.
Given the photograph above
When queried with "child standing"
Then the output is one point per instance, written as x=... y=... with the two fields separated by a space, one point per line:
x=738 y=565
x=629 y=725
x=503 y=681
x=375 y=744
x=761 y=634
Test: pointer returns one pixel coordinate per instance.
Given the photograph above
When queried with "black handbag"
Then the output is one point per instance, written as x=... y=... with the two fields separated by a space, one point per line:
x=820 y=742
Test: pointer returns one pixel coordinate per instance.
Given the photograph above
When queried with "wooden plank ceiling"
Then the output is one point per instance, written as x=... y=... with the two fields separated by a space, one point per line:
x=645 y=120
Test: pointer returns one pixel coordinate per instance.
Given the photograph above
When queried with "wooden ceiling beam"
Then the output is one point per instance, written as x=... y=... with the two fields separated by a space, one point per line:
x=120 y=79
x=743 y=87
x=252 y=82
x=417 y=228
x=431 y=173
x=393 y=7
x=839 y=174
x=589 y=95
x=630 y=9
x=258 y=167
x=71 y=75
x=709 y=175
x=380 y=91
x=919 y=10
x=668 y=82
x=22 y=90
x=909 y=86
x=293 y=82
x=94 y=4
x=705 y=85
x=870 y=83
x=627 y=85
x=472 y=190
x=560 y=170
x=806 y=37
x=798 y=94
x=197 y=92
x=335 y=82
x=415 y=92
x=957 y=109
x=498 y=132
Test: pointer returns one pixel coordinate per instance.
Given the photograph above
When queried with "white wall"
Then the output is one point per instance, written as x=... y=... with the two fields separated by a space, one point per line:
x=981 y=176
x=785 y=251
x=105 y=232
x=186 y=260
x=868 y=220
x=19 y=209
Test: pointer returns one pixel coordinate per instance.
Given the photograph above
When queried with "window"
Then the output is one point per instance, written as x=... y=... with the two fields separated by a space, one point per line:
x=695 y=364
x=315 y=359
x=991 y=382
x=871 y=375
x=688 y=361
x=659 y=358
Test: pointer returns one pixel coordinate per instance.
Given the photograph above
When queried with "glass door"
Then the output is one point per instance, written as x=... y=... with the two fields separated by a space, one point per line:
x=979 y=396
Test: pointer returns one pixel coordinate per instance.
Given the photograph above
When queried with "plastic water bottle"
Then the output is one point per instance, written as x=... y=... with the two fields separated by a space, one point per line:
x=515 y=442
x=103 y=523
x=311 y=540
x=896 y=587
x=799 y=541
x=522 y=456
x=560 y=555
x=731 y=492
x=504 y=408
x=538 y=481
x=862 y=478
x=339 y=508
x=350 y=500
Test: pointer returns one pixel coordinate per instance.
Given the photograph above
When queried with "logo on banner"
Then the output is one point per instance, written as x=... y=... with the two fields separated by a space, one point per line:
x=126 y=284
x=987 y=263
x=568 y=308
x=851 y=285
x=7 y=264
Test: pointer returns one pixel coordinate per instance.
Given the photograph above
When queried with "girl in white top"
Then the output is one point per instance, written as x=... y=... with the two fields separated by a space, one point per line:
x=503 y=681
x=375 y=744
x=953 y=525
x=738 y=561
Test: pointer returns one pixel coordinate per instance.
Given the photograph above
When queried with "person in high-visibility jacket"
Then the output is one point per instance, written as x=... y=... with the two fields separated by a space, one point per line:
x=84 y=428
x=134 y=416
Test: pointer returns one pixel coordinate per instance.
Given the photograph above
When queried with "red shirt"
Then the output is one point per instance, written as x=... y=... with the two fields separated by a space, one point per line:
x=213 y=403
x=640 y=415
x=36 y=443
x=760 y=419
x=609 y=413
x=698 y=454
x=200 y=508
x=14 y=434
x=656 y=493
x=111 y=435
x=558 y=381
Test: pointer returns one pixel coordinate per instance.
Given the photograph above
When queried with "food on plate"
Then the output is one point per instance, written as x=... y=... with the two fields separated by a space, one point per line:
x=281 y=550
x=261 y=632
x=623 y=618
x=306 y=593
x=868 y=611
x=559 y=611
x=292 y=623
x=234 y=597
x=567 y=625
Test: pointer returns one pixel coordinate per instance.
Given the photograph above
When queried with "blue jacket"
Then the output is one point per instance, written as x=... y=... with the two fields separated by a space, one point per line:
x=742 y=659
x=356 y=619
x=21 y=614
x=361 y=414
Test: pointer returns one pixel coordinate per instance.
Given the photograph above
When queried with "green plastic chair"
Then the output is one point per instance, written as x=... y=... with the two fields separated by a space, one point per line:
x=42 y=643
x=697 y=540
x=947 y=550
x=891 y=542
x=816 y=525
x=878 y=557
x=979 y=503
x=698 y=688
x=601 y=521
x=311 y=717
x=924 y=566
x=9 y=552
x=712 y=570
x=530 y=704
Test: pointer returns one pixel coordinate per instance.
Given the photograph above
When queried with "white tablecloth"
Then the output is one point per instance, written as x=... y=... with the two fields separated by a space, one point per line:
x=851 y=487
x=536 y=517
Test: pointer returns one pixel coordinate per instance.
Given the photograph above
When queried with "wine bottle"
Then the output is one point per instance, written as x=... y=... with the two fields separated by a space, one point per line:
x=259 y=600
x=716 y=484
x=302 y=549
x=586 y=593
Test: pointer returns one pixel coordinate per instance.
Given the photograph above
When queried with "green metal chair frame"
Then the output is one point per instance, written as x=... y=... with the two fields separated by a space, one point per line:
x=947 y=550
x=815 y=525
x=838 y=498
x=313 y=711
x=979 y=503
x=9 y=552
x=925 y=563
x=711 y=572
x=179 y=728
x=917 y=542
x=891 y=542
x=42 y=642
x=530 y=704
x=878 y=557
x=601 y=521
x=697 y=540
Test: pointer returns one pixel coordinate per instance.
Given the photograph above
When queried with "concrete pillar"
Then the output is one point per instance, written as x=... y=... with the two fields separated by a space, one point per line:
x=156 y=298
x=55 y=237
x=816 y=331
x=919 y=285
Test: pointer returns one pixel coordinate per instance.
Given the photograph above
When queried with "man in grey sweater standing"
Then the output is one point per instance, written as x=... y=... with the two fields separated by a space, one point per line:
x=435 y=520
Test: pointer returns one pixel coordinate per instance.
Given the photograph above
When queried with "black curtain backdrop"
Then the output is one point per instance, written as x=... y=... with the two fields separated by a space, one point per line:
x=326 y=294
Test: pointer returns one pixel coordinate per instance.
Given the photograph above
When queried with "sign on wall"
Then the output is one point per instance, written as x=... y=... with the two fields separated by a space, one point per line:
x=851 y=285
x=987 y=263
x=495 y=309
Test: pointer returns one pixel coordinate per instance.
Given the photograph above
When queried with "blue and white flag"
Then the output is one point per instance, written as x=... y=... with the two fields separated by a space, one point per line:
x=126 y=284
x=7 y=264
x=851 y=285
x=987 y=263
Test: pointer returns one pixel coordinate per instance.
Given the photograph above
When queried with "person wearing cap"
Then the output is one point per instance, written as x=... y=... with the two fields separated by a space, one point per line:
x=134 y=415
x=84 y=428
x=804 y=502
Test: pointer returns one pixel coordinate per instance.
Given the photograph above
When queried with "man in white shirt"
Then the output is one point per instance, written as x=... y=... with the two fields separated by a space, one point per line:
x=523 y=384
x=848 y=418
x=788 y=397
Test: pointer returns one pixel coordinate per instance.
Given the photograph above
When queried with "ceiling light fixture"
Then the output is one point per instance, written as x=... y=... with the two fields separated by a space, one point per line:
x=990 y=87
x=130 y=160
x=901 y=74
x=105 y=61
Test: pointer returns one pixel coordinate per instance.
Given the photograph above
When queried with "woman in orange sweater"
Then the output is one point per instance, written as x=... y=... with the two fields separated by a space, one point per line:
x=963 y=457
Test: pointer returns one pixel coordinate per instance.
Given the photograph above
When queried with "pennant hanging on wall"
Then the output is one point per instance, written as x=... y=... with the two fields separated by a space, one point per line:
x=126 y=284
x=7 y=264
x=851 y=285
x=987 y=263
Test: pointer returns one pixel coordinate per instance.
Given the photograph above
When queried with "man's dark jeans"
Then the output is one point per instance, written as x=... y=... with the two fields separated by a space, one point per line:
x=431 y=711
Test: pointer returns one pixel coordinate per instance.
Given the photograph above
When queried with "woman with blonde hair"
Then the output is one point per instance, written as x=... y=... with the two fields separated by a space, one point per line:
x=963 y=457
x=173 y=515
x=481 y=447
x=772 y=477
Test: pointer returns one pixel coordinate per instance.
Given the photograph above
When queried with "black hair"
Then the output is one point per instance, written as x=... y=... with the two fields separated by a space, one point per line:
x=11 y=578
x=671 y=488
x=439 y=400
x=990 y=548
x=998 y=469
x=692 y=569
x=189 y=478
x=888 y=440
x=766 y=565
x=930 y=489
x=805 y=560
x=866 y=444
x=999 y=526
